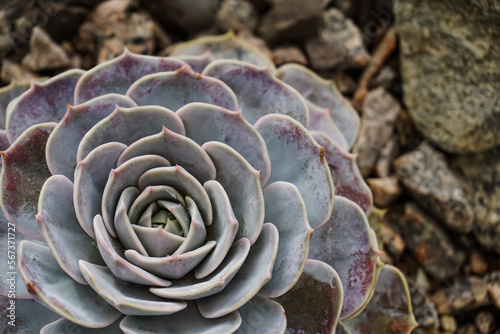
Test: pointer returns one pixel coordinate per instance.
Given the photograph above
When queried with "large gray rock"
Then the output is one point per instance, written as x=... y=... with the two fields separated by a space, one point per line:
x=479 y=175
x=450 y=54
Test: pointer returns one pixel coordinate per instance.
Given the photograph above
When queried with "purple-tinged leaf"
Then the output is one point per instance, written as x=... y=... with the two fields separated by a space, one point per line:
x=9 y=93
x=116 y=75
x=346 y=244
x=43 y=102
x=206 y=122
x=255 y=272
x=176 y=89
x=320 y=120
x=49 y=285
x=113 y=254
x=127 y=125
x=324 y=94
x=389 y=310
x=62 y=146
x=10 y=281
x=346 y=176
x=313 y=304
x=66 y=239
x=188 y=320
x=298 y=159
x=178 y=178
x=262 y=315
x=242 y=185
x=23 y=174
x=128 y=298
x=197 y=63
x=177 y=149
x=259 y=93
x=286 y=210
x=190 y=288
x=226 y=46
x=91 y=176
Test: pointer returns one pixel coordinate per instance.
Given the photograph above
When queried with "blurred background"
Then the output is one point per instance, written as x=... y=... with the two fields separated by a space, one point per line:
x=423 y=75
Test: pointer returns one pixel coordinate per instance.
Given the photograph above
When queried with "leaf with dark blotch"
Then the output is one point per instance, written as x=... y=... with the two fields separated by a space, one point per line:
x=389 y=311
x=313 y=305
x=23 y=174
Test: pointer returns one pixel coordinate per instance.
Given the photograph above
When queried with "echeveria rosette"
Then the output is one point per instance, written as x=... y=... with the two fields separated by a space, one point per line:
x=149 y=194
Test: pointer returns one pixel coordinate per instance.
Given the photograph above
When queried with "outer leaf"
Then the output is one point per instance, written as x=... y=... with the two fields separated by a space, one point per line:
x=43 y=102
x=262 y=315
x=346 y=244
x=346 y=176
x=313 y=305
x=128 y=298
x=67 y=240
x=63 y=326
x=197 y=63
x=321 y=120
x=9 y=93
x=49 y=285
x=116 y=75
x=188 y=320
x=298 y=159
x=176 y=89
x=62 y=146
x=325 y=94
x=255 y=272
x=389 y=311
x=23 y=174
x=287 y=211
x=226 y=46
x=259 y=93
x=21 y=314
x=10 y=280
x=206 y=122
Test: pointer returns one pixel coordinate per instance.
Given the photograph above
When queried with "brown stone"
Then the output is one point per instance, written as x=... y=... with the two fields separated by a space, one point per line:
x=236 y=15
x=493 y=286
x=478 y=263
x=44 y=53
x=485 y=322
x=479 y=175
x=426 y=176
x=467 y=329
x=288 y=54
x=392 y=240
x=448 y=323
x=386 y=157
x=428 y=243
x=464 y=294
x=385 y=190
x=423 y=308
x=339 y=44
x=345 y=83
x=5 y=40
x=291 y=19
x=449 y=54
x=380 y=111
x=12 y=71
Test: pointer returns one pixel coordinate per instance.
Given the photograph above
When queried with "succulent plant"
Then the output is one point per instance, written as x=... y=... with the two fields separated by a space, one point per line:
x=142 y=196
